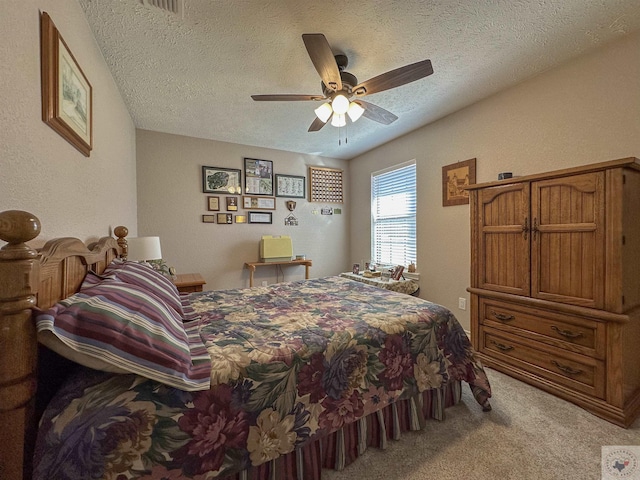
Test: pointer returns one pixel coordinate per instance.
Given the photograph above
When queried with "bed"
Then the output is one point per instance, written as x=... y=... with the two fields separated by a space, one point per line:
x=261 y=383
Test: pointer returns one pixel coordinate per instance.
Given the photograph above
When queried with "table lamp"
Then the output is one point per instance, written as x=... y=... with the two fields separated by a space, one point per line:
x=142 y=249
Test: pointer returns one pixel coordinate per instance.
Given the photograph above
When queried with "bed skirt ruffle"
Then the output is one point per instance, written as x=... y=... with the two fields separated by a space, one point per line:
x=341 y=448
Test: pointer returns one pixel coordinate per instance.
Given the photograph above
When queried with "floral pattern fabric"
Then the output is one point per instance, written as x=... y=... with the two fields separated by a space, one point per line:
x=290 y=363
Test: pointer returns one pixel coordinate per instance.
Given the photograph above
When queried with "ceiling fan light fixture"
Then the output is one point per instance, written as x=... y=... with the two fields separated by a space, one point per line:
x=355 y=111
x=323 y=112
x=338 y=120
x=340 y=104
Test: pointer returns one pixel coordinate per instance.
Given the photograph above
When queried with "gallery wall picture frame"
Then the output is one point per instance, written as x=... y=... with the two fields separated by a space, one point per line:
x=260 y=217
x=258 y=203
x=208 y=219
x=454 y=178
x=221 y=180
x=225 y=218
x=67 y=95
x=213 y=204
x=258 y=177
x=240 y=218
x=232 y=204
x=290 y=186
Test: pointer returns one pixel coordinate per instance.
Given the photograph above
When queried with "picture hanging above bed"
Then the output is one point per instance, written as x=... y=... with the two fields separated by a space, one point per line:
x=67 y=105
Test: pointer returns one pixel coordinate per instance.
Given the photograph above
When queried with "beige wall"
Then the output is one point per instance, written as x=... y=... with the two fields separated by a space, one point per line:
x=39 y=171
x=171 y=205
x=586 y=111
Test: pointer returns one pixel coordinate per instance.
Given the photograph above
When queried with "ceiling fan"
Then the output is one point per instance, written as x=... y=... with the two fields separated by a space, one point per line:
x=340 y=86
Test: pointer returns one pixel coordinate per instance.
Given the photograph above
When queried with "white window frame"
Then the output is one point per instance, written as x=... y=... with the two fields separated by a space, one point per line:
x=397 y=250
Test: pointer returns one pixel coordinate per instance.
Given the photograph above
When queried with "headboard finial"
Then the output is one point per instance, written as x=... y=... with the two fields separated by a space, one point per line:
x=121 y=232
x=16 y=228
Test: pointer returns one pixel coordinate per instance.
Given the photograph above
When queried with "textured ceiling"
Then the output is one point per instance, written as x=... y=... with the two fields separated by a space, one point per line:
x=194 y=74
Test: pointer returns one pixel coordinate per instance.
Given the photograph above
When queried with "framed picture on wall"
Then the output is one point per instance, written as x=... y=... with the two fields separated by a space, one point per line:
x=221 y=180
x=213 y=203
x=67 y=98
x=225 y=218
x=208 y=219
x=232 y=204
x=454 y=178
x=259 y=203
x=260 y=217
x=291 y=186
x=258 y=177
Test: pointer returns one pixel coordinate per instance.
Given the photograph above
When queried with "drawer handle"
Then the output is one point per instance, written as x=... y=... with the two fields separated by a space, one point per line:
x=567 y=333
x=502 y=316
x=501 y=346
x=566 y=369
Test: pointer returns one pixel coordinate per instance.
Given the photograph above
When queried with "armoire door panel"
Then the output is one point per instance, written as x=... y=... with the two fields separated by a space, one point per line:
x=567 y=254
x=504 y=232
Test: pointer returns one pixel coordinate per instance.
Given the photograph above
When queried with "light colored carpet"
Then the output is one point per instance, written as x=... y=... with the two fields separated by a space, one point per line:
x=529 y=434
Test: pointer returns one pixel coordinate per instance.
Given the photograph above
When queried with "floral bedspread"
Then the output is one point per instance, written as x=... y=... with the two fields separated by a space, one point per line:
x=291 y=362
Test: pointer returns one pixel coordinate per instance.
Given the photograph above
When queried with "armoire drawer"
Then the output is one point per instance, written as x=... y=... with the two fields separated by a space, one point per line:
x=578 y=372
x=568 y=332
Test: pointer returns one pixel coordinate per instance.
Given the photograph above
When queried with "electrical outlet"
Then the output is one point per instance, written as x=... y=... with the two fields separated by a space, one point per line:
x=264 y=283
x=462 y=303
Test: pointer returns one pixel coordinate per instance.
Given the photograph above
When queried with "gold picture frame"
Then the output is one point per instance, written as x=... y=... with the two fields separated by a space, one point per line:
x=67 y=97
x=454 y=178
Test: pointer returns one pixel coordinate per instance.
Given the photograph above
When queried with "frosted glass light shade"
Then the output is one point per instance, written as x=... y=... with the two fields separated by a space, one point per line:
x=340 y=104
x=338 y=120
x=143 y=248
x=323 y=112
x=355 y=111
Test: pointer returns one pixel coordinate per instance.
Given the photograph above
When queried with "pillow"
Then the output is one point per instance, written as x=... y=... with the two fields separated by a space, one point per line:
x=144 y=276
x=118 y=327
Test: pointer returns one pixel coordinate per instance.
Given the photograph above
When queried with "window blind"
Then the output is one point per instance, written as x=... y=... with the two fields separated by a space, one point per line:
x=393 y=210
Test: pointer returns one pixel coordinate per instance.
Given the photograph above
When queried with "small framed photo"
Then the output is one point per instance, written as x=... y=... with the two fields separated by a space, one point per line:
x=232 y=204
x=290 y=186
x=454 y=178
x=260 y=217
x=208 y=219
x=259 y=203
x=221 y=180
x=258 y=177
x=225 y=218
x=213 y=203
x=240 y=219
x=356 y=269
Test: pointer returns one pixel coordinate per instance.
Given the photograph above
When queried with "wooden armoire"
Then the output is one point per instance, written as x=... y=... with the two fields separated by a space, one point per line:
x=555 y=283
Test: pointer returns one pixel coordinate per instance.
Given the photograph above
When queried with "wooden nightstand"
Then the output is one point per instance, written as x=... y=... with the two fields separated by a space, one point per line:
x=189 y=282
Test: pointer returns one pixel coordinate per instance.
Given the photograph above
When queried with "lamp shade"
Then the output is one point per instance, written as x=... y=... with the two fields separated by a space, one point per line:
x=144 y=248
x=338 y=120
x=323 y=112
x=355 y=111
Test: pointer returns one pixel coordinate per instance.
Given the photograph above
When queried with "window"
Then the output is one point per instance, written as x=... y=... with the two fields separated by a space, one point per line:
x=393 y=211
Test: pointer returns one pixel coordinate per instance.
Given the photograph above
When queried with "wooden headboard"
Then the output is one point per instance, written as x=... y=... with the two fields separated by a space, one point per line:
x=34 y=278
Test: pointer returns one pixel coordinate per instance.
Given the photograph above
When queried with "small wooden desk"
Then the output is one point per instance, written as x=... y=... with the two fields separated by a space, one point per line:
x=189 y=282
x=252 y=267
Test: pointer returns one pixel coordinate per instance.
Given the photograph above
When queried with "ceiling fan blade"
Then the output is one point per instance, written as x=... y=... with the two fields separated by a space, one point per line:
x=376 y=113
x=285 y=97
x=394 y=78
x=316 y=125
x=323 y=59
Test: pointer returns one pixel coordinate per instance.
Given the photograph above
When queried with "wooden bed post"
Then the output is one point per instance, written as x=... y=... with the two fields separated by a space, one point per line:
x=19 y=280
